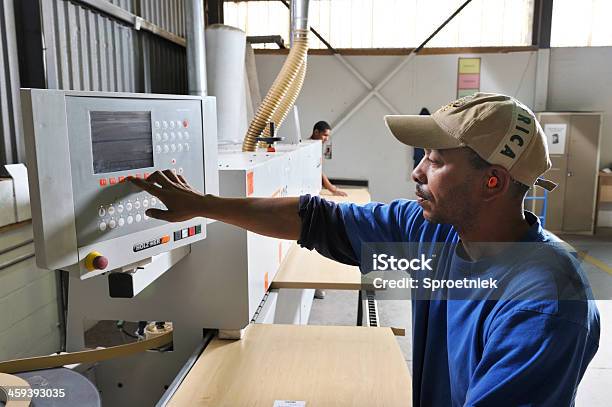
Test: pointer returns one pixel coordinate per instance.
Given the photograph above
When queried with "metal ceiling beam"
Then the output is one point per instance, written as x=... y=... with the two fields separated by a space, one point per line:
x=542 y=23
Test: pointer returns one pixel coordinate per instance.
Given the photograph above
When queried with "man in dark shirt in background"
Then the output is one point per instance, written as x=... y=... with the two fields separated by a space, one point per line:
x=322 y=131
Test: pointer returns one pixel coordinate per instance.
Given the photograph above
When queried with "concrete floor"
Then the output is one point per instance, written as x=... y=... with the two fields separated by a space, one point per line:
x=340 y=308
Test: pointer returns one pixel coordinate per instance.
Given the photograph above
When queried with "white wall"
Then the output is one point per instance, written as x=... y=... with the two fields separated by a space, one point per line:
x=580 y=79
x=29 y=314
x=363 y=148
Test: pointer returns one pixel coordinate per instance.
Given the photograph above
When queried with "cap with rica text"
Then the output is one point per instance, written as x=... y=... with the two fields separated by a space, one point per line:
x=499 y=128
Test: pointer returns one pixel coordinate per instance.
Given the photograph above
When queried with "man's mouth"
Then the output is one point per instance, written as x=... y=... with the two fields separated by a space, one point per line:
x=421 y=195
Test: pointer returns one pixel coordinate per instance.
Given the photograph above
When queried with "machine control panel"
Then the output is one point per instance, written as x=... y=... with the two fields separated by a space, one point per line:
x=81 y=148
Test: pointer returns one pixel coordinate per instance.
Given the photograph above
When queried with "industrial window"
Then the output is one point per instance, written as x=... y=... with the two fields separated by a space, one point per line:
x=581 y=23
x=393 y=23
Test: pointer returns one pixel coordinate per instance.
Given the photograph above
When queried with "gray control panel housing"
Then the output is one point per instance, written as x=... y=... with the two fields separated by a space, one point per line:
x=81 y=146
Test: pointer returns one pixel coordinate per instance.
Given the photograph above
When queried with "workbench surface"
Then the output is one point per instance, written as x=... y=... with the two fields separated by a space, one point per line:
x=321 y=365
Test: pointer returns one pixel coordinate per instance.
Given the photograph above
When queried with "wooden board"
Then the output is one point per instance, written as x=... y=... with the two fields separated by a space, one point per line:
x=358 y=195
x=321 y=365
x=303 y=268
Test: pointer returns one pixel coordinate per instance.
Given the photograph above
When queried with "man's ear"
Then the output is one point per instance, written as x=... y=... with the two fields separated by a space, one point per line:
x=496 y=182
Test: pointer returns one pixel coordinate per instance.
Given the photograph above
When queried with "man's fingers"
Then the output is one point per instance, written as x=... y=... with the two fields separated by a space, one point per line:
x=159 y=178
x=158 y=214
x=182 y=179
x=171 y=176
x=147 y=186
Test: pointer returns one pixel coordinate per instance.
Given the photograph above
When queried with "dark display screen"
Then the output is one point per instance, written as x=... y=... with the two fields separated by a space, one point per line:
x=121 y=141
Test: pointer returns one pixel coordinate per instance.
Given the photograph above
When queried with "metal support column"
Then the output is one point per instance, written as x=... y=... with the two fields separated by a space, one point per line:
x=196 y=48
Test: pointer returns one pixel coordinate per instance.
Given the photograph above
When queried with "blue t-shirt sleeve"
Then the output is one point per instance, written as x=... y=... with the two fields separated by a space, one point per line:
x=530 y=358
x=323 y=230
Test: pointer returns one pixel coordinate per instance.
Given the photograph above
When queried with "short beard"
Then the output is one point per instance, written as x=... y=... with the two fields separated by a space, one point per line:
x=460 y=211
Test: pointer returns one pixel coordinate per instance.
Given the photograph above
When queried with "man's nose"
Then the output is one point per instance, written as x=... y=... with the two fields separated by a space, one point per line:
x=418 y=174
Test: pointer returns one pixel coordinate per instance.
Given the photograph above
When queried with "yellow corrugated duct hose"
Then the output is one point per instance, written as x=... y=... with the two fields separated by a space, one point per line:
x=281 y=91
x=287 y=103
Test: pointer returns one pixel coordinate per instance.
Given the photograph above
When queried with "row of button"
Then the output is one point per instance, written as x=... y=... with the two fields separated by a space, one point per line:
x=115 y=180
x=173 y=136
x=102 y=211
x=171 y=148
x=112 y=223
x=187 y=232
x=171 y=124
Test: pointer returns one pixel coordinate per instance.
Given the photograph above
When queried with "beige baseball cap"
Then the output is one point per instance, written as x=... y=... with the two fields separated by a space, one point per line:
x=499 y=128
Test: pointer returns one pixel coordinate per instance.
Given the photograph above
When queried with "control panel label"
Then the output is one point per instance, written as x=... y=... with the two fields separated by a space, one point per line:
x=151 y=243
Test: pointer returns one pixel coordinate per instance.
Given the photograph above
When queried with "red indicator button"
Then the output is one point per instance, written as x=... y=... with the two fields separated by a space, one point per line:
x=165 y=239
x=121 y=178
x=102 y=182
x=100 y=263
x=112 y=180
x=185 y=123
x=146 y=175
x=137 y=176
x=192 y=231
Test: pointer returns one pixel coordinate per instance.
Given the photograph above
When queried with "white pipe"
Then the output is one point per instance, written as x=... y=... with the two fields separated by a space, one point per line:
x=196 y=47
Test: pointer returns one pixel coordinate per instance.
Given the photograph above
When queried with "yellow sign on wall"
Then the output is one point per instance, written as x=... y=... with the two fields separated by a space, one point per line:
x=469 y=65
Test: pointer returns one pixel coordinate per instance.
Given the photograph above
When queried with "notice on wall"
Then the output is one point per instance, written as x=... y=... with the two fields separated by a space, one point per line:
x=468 y=76
x=555 y=137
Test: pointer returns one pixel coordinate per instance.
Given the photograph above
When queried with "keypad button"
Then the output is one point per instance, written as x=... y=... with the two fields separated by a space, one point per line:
x=165 y=137
x=120 y=208
x=138 y=217
x=102 y=226
x=172 y=136
x=121 y=221
x=112 y=224
x=165 y=124
x=166 y=148
x=145 y=203
x=137 y=205
x=158 y=149
x=180 y=170
x=111 y=210
x=158 y=137
x=157 y=124
x=179 y=148
x=101 y=212
x=178 y=123
x=186 y=145
x=173 y=148
x=153 y=201
x=186 y=134
x=179 y=135
x=172 y=124
x=128 y=206
x=130 y=220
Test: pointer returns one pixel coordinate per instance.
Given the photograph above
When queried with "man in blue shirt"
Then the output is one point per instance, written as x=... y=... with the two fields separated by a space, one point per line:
x=525 y=341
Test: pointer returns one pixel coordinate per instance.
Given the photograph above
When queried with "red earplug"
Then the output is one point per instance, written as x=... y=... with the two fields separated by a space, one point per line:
x=492 y=182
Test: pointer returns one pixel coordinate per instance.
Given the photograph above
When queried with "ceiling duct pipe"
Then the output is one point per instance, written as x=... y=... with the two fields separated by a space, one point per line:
x=196 y=48
x=288 y=83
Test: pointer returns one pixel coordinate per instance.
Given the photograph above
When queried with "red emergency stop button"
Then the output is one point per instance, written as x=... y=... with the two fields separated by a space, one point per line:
x=95 y=261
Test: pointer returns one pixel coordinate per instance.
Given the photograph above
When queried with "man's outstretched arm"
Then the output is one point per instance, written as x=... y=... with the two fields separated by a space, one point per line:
x=275 y=217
